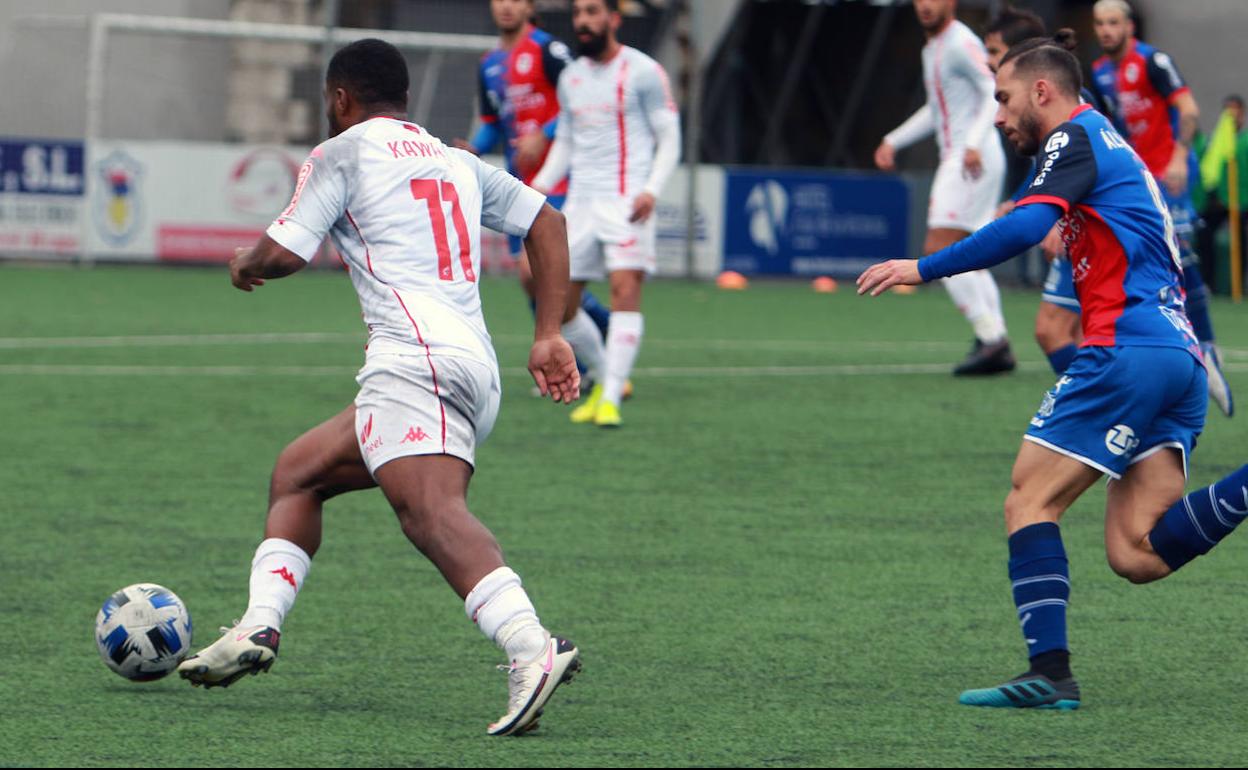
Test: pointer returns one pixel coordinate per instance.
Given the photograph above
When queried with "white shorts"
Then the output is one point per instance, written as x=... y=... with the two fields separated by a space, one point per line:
x=422 y=405
x=601 y=240
x=962 y=203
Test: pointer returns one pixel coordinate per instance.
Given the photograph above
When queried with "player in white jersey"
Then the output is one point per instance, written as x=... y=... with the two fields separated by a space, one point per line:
x=619 y=134
x=967 y=187
x=405 y=212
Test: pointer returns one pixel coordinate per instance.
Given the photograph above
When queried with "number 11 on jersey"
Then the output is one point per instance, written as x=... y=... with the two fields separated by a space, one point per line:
x=433 y=192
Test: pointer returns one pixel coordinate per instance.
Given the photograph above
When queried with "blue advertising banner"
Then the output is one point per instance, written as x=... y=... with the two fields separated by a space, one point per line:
x=42 y=190
x=812 y=223
x=39 y=167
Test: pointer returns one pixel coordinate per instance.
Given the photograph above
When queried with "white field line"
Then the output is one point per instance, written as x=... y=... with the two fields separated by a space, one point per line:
x=680 y=372
x=314 y=338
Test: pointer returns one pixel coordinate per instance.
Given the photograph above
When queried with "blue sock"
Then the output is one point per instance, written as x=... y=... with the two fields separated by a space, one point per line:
x=1060 y=359
x=597 y=311
x=1041 y=581
x=1199 y=521
x=1198 y=303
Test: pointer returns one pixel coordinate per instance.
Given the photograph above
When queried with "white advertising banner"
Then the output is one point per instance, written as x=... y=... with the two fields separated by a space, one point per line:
x=180 y=201
x=673 y=224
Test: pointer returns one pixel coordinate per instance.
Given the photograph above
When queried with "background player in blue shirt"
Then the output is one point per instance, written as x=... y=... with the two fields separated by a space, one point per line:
x=1132 y=403
x=520 y=110
x=1155 y=110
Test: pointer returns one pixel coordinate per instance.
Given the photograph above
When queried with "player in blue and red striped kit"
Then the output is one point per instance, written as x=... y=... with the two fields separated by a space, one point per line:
x=1132 y=403
x=520 y=110
x=1157 y=113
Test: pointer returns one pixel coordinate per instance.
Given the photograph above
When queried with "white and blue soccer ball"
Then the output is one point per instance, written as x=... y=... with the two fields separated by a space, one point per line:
x=143 y=632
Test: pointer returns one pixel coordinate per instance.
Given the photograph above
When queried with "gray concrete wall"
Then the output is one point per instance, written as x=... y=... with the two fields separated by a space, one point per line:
x=1207 y=40
x=157 y=87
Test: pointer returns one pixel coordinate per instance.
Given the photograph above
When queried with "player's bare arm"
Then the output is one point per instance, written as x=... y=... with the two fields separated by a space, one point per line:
x=551 y=360
x=267 y=259
x=1189 y=122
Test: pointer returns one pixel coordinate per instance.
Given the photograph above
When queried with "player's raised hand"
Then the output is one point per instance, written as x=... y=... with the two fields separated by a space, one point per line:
x=462 y=144
x=240 y=276
x=972 y=164
x=643 y=207
x=529 y=150
x=881 y=277
x=885 y=157
x=553 y=366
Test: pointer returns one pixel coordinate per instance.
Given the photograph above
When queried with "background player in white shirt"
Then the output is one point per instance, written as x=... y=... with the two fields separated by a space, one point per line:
x=405 y=213
x=619 y=134
x=959 y=110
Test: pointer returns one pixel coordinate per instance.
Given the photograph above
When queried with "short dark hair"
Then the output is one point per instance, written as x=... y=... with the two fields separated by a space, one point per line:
x=1234 y=99
x=372 y=71
x=1045 y=55
x=1015 y=25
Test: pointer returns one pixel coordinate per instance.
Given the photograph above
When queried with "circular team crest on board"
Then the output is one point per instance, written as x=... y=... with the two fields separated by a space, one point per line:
x=117 y=205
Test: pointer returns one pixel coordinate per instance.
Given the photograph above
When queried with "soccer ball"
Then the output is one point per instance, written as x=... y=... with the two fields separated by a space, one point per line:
x=143 y=632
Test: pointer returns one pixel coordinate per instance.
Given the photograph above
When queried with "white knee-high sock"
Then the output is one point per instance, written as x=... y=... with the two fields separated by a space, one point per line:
x=586 y=341
x=969 y=294
x=502 y=610
x=624 y=334
x=993 y=294
x=277 y=573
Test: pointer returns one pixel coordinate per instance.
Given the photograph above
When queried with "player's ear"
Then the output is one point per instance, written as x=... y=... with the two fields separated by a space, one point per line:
x=341 y=100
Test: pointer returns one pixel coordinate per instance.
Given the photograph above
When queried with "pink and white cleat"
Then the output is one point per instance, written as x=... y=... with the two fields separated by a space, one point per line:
x=531 y=684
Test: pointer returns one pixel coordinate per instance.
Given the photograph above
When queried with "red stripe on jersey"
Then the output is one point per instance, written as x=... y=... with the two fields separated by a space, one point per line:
x=1174 y=96
x=429 y=357
x=619 y=106
x=367 y=257
x=1062 y=204
x=1100 y=267
x=1079 y=111
x=940 y=95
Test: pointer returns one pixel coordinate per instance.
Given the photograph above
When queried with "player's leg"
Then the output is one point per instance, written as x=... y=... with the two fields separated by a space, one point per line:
x=1183 y=214
x=1057 y=333
x=322 y=463
x=1058 y=327
x=1151 y=528
x=585 y=263
x=1044 y=484
x=959 y=206
x=426 y=482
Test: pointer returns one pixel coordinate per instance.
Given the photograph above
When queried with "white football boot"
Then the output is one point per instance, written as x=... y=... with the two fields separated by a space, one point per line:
x=1219 y=388
x=240 y=651
x=531 y=684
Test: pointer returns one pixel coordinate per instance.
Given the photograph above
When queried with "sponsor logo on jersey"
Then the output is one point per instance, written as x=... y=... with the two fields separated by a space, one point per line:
x=1132 y=73
x=1121 y=440
x=524 y=63
x=1057 y=142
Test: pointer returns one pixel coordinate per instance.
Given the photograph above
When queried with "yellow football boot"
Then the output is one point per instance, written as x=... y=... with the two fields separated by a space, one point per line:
x=586 y=412
x=607 y=416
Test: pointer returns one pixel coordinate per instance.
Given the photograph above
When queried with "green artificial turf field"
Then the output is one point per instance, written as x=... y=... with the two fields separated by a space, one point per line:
x=791 y=554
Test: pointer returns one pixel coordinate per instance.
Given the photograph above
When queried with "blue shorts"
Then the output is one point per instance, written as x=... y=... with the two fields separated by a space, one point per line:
x=515 y=243
x=1116 y=406
x=1059 y=286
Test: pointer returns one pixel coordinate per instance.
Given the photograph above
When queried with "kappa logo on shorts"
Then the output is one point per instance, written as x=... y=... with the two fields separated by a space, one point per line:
x=415 y=436
x=1121 y=440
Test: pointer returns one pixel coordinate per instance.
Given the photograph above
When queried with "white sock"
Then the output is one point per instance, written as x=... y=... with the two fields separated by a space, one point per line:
x=624 y=333
x=583 y=335
x=993 y=293
x=502 y=610
x=969 y=294
x=277 y=573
